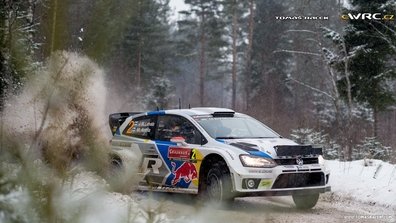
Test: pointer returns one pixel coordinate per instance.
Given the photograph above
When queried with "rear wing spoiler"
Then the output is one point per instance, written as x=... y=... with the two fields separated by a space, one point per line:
x=116 y=120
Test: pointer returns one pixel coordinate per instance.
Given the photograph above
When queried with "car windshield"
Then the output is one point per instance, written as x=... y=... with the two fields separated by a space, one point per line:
x=235 y=127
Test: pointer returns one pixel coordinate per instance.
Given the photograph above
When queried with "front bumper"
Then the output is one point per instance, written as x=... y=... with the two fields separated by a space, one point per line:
x=282 y=180
x=285 y=192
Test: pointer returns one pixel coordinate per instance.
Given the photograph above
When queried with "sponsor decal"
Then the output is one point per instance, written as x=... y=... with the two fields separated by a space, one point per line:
x=177 y=153
x=186 y=172
x=184 y=164
x=302 y=17
x=230 y=155
x=265 y=183
x=121 y=144
x=260 y=171
x=151 y=164
x=367 y=16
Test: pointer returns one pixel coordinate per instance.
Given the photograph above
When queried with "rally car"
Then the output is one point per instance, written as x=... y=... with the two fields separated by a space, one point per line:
x=216 y=153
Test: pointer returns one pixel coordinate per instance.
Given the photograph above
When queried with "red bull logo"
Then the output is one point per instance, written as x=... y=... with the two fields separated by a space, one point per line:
x=186 y=171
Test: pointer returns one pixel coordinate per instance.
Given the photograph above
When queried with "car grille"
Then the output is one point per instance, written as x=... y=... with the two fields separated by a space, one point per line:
x=293 y=180
x=293 y=161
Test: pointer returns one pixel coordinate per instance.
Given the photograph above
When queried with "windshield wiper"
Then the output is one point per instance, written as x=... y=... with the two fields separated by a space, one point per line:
x=250 y=137
x=262 y=137
x=228 y=137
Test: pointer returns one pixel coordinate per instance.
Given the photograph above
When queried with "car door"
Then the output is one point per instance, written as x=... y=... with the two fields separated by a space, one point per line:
x=183 y=158
x=152 y=169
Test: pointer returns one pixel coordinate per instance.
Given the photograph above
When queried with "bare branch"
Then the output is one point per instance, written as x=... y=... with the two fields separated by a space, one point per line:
x=312 y=88
x=384 y=37
x=47 y=106
x=298 y=52
x=301 y=30
x=386 y=27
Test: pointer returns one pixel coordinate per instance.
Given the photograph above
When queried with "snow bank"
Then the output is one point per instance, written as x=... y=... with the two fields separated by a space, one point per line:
x=374 y=184
x=85 y=199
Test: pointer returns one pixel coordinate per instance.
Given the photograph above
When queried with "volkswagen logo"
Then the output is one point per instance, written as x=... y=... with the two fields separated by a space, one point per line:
x=299 y=161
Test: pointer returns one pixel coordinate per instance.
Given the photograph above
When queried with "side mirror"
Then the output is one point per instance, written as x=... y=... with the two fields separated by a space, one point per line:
x=179 y=140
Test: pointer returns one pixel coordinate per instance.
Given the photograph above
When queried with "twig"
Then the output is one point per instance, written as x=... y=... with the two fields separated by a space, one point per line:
x=298 y=52
x=47 y=106
x=312 y=88
x=384 y=37
x=301 y=30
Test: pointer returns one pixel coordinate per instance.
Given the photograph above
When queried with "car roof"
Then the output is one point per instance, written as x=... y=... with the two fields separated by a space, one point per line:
x=194 y=111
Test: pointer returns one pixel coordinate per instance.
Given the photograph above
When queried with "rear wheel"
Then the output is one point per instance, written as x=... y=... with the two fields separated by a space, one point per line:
x=306 y=201
x=216 y=184
x=115 y=176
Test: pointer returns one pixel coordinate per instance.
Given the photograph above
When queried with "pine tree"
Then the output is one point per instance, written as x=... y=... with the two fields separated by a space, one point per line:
x=160 y=94
x=203 y=28
x=269 y=70
x=248 y=53
x=370 y=48
x=145 y=46
x=17 y=46
x=144 y=30
x=236 y=25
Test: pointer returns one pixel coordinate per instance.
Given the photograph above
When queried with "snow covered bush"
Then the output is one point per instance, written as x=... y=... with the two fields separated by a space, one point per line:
x=51 y=139
x=160 y=94
x=371 y=148
x=317 y=138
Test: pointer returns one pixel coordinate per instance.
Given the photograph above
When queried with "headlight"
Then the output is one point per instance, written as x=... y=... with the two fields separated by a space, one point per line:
x=256 y=161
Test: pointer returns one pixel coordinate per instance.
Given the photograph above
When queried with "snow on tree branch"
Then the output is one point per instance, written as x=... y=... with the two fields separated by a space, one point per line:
x=298 y=52
x=289 y=77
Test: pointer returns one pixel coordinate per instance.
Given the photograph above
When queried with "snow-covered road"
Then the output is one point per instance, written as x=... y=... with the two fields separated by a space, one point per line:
x=181 y=208
x=359 y=194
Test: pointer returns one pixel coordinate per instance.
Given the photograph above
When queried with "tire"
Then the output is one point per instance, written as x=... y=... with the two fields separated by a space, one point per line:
x=116 y=167
x=115 y=175
x=306 y=201
x=216 y=184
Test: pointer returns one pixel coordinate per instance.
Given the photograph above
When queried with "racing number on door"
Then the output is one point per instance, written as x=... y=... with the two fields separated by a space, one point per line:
x=130 y=127
x=193 y=154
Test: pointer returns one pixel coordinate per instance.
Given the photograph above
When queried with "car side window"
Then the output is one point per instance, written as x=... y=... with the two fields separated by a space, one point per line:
x=141 y=127
x=171 y=126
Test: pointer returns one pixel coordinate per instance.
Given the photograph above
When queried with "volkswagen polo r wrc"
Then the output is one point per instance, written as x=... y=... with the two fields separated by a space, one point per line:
x=216 y=153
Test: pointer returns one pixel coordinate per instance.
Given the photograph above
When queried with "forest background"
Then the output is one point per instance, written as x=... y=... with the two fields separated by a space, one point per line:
x=306 y=68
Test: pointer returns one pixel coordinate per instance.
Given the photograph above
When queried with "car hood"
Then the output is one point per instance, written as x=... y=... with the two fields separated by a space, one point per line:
x=265 y=145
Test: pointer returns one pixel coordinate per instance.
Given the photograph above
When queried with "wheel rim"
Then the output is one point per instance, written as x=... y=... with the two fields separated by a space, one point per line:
x=115 y=163
x=214 y=187
x=115 y=166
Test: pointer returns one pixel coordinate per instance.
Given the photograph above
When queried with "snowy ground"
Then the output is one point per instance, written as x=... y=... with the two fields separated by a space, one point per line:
x=374 y=184
x=359 y=194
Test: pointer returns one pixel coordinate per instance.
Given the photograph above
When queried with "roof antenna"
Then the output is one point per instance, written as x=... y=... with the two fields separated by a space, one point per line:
x=157 y=108
x=179 y=103
x=189 y=106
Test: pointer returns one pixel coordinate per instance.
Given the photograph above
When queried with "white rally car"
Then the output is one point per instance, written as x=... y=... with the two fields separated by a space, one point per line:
x=217 y=153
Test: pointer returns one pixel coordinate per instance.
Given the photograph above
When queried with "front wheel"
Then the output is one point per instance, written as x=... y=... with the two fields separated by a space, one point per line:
x=307 y=201
x=216 y=185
